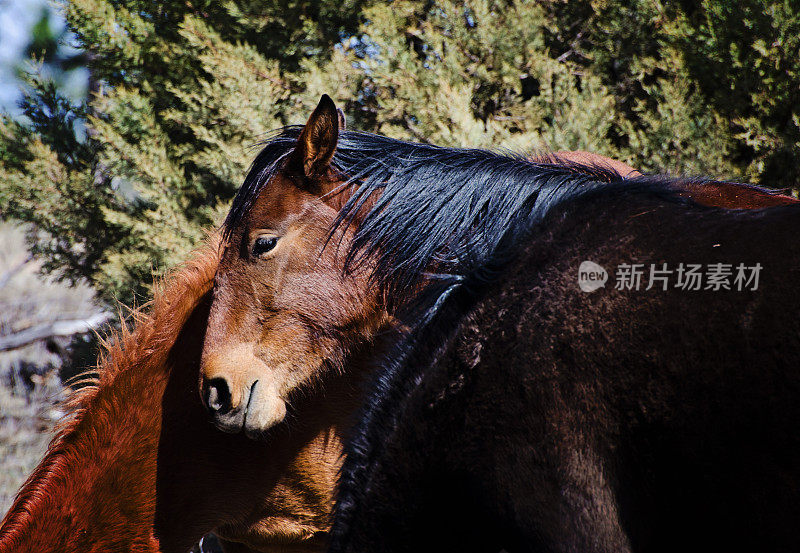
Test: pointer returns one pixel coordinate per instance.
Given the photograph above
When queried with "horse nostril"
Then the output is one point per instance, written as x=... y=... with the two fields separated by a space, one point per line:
x=218 y=396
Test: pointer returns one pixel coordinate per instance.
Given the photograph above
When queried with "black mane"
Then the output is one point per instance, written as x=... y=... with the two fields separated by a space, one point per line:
x=445 y=209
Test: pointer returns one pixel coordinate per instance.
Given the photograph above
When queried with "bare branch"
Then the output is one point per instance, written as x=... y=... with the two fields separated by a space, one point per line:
x=50 y=330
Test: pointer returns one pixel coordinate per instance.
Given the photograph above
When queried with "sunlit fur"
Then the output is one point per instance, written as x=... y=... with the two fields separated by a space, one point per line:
x=104 y=453
x=136 y=466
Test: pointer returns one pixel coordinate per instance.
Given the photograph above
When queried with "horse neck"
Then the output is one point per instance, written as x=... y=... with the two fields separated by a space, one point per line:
x=95 y=488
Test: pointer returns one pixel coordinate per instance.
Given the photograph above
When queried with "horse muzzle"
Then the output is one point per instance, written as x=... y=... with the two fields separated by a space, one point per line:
x=254 y=410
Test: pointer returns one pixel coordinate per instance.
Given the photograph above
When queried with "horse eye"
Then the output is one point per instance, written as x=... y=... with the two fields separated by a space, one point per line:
x=263 y=244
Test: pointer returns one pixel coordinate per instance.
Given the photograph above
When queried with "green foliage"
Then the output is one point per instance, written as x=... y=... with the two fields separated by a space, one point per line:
x=474 y=76
x=745 y=58
x=50 y=44
x=124 y=184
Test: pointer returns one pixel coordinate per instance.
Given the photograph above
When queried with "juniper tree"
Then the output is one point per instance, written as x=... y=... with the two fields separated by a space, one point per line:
x=123 y=184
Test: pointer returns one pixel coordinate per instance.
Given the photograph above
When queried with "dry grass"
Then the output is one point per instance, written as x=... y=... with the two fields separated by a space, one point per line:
x=25 y=425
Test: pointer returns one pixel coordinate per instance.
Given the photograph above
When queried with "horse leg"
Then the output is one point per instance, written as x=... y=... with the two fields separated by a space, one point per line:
x=563 y=504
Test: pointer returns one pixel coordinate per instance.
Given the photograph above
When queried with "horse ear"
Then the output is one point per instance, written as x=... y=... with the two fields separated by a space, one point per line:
x=317 y=141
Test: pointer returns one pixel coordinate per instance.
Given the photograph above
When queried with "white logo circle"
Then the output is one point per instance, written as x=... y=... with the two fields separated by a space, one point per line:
x=591 y=276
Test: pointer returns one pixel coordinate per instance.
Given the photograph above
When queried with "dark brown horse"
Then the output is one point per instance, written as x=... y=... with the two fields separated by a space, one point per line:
x=629 y=416
x=531 y=415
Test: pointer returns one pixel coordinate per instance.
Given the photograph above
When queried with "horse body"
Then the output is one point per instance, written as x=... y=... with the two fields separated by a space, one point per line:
x=138 y=467
x=95 y=488
x=295 y=292
x=530 y=415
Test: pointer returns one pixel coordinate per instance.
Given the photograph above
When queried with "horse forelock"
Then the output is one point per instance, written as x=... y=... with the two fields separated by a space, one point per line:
x=143 y=349
x=266 y=165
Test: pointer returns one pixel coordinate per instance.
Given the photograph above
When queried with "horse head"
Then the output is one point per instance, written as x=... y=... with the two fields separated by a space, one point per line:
x=284 y=310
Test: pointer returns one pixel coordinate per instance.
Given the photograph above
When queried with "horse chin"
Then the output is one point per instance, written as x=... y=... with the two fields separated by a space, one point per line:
x=231 y=423
x=301 y=542
x=279 y=536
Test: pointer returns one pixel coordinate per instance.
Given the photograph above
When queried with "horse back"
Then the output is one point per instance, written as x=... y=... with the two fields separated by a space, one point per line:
x=613 y=420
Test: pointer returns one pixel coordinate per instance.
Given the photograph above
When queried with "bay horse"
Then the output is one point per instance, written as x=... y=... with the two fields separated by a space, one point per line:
x=520 y=412
x=137 y=466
